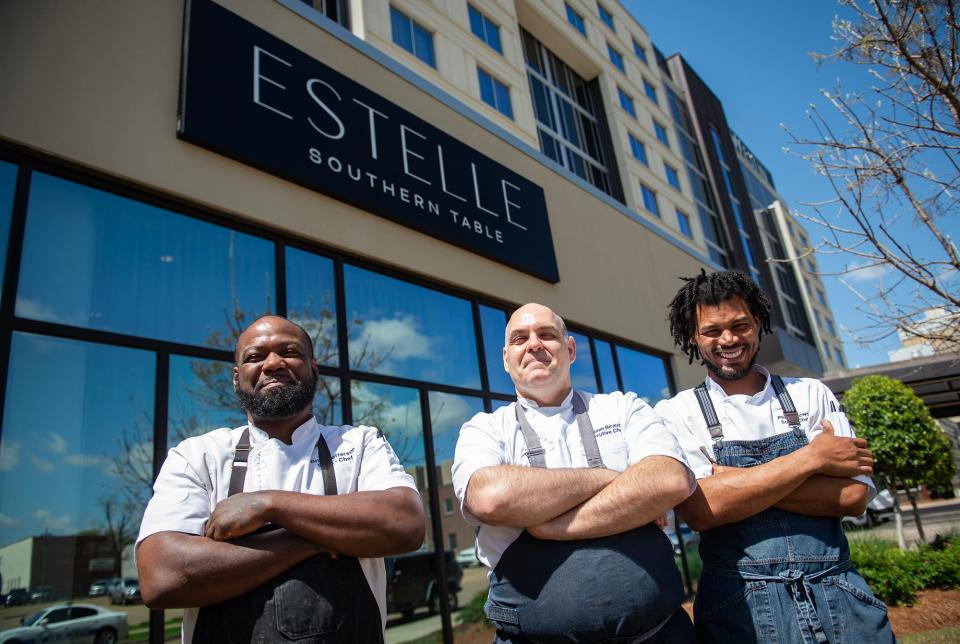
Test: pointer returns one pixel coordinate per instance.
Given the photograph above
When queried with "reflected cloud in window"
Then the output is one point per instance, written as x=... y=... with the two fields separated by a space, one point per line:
x=78 y=435
x=119 y=265
x=311 y=301
x=405 y=330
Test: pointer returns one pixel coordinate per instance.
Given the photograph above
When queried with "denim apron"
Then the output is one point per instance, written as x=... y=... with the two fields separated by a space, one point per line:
x=779 y=576
x=621 y=588
x=321 y=600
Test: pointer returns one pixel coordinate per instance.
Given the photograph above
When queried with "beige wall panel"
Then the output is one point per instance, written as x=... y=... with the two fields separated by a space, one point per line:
x=101 y=90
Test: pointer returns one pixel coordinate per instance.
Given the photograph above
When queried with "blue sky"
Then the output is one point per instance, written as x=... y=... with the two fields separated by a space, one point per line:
x=755 y=56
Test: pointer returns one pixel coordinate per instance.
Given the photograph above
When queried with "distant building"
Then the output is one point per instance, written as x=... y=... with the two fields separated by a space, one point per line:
x=923 y=340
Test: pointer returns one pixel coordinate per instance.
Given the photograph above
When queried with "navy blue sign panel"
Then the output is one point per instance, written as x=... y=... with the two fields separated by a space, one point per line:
x=252 y=97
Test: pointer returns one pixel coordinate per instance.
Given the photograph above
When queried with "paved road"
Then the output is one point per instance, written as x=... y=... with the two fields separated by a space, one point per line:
x=937 y=517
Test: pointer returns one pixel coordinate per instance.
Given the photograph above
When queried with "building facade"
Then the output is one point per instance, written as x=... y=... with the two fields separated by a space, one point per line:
x=395 y=176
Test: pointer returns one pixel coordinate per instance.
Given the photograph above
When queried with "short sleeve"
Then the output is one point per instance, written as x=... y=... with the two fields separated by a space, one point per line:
x=676 y=422
x=826 y=407
x=181 y=499
x=479 y=445
x=646 y=433
x=380 y=468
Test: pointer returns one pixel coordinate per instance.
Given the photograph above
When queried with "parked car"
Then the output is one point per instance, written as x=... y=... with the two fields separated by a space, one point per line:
x=73 y=623
x=41 y=594
x=101 y=587
x=468 y=557
x=412 y=582
x=125 y=591
x=880 y=509
x=17 y=597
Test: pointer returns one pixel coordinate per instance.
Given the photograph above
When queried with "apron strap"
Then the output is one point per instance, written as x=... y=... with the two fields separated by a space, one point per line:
x=709 y=411
x=238 y=473
x=786 y=402
x=587 y=435
x=535 y=452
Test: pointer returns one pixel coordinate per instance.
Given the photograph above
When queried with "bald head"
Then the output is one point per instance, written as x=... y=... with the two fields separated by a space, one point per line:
x=268 y=323
x=528 y=314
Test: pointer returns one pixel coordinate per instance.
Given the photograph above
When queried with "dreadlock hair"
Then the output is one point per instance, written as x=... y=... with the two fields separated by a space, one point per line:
x=711 y=289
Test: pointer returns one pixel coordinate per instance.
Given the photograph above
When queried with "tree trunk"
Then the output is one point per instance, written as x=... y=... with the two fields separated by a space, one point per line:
x=916 y=514
x=897 y=515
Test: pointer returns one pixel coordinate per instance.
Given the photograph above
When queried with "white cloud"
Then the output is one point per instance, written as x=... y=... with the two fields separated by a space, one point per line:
x=56 y=443
x=42 y=464
x=53 y=524
x=83 y=460
x=867 y=272
x=138 y=459
x=396 y=337
x=9 y=455
x=448 y=412
x=8 y=522
x=28 y=308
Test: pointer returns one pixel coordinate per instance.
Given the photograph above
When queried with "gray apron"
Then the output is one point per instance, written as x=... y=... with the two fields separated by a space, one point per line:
x=779 y=576
x=621 y=588
x=321 y=600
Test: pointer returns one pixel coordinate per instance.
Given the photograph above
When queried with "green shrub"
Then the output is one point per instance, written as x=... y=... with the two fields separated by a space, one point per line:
x=472 y=612
x=896 y=576
x=888 y=572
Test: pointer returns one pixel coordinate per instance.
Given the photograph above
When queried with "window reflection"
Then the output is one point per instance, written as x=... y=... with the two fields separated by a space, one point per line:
x=396 y=411
x=581 y=371
x=8 y=183
x=311 y=301
x=75 y=463
x=644 y=374
x=608 y=371
x=119 y=265
x=201 y=398
x=448 y=412
x=402 y=329
x=493 y=323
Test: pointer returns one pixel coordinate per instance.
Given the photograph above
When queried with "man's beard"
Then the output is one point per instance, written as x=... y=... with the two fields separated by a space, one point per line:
x=739 y=374
x=278 y=402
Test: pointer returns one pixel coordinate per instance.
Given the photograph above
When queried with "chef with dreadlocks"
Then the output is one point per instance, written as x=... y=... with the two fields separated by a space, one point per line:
x=777 y=465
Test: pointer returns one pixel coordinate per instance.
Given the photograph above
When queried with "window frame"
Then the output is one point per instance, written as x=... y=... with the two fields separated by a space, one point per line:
x=28 y=163
x=414 y=27
x=626 y=102
x=498 y=89
x=649 y=198
x=486 y=26
x=576 y=19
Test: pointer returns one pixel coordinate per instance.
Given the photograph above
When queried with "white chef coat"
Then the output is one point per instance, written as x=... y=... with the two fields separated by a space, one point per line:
x=196 y=476
x=626 y=427
x=753 y=417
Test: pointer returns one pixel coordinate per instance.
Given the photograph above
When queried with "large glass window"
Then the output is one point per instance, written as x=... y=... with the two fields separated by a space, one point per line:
x=8 y=184
x=568 y=112
x=448 y=412
x=75 y=462
x=400 y=329
x=644 y=374
x=494 y=325
x=200 y=398
x=582 y=375
x=96 y=260
x=311 y=301
x=608 y=369
x=412 y=36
